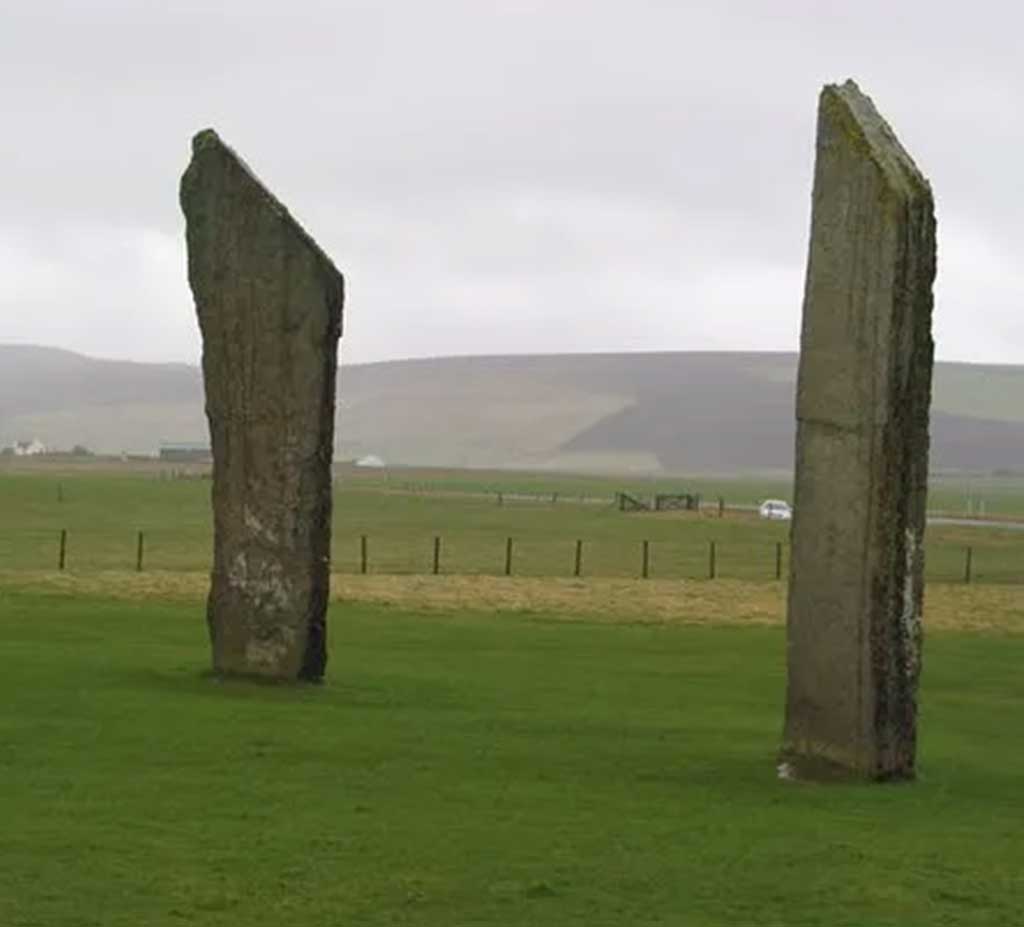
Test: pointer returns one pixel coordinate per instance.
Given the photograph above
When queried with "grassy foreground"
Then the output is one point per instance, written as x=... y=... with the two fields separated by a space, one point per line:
x=463 y=768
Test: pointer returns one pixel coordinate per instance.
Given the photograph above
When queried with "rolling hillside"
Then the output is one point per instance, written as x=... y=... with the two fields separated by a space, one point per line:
x=679 y=412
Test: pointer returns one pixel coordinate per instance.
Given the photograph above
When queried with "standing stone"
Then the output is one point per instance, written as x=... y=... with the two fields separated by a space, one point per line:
x=863 y=391
x=269 y=303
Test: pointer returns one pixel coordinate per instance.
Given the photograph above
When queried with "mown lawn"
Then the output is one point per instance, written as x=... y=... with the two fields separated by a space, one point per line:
x=467 y=768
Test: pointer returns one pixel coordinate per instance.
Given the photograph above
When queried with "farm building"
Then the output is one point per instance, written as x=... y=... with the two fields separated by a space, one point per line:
x=182 y=451
x=370 y=460
x=28 y=448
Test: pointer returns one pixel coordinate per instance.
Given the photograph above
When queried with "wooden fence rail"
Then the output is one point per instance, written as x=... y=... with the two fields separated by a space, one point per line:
x=774 y=565
x=646 y=552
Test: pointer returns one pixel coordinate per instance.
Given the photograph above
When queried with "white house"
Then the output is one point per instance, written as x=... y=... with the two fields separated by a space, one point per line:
x=370 y=460
x=29 y=448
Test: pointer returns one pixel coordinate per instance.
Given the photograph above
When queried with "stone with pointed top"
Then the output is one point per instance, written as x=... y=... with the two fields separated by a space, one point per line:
x=269 y=303
x=863 y=394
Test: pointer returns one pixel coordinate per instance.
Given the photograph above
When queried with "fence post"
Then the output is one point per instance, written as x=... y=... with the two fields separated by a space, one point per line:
x=138 y=554
x=362 y=554
x=646 y=560
x=500 y=499
x=711 y=561
x=967 y=565
x=778 y=559
x=437 y=555
x=579 y=558
x=62 y=557
x=721 y=506
x=508 y=556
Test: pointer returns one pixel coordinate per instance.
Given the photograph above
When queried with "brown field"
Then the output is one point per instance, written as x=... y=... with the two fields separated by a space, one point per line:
x=948 y=607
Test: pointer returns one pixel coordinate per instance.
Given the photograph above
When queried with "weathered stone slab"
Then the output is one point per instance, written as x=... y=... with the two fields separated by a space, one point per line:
x=269 y=303
x=863 y=392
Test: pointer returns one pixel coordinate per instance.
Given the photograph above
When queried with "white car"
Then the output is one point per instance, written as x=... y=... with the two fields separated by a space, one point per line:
x=775 y=509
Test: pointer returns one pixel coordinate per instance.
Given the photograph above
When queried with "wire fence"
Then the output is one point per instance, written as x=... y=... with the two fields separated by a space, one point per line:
x=485 y=554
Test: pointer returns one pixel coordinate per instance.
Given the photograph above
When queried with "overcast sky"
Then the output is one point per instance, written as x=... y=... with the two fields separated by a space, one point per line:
x=497 y=176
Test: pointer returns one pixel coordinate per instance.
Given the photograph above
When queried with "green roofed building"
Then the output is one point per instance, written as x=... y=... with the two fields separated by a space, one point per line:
x=190 y=451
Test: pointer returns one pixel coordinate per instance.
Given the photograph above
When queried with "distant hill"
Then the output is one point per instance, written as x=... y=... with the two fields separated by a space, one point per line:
x=680 y=412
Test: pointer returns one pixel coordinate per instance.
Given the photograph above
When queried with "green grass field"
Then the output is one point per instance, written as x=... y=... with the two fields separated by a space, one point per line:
x=475 y=769
x=485 y=751
x=955 y=494
x=401 y=514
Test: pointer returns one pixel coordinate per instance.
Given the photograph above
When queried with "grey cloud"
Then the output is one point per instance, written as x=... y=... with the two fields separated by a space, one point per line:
x=499 y=176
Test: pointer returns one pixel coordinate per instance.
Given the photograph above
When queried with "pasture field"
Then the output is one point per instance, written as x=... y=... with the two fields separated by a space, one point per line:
x=949 y=493
x=470 y=768
x=953 y=494
x=401 y=515
x=486 y=750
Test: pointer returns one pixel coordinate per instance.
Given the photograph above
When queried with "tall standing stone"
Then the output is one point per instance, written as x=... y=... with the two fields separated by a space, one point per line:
x=863 y=391
x=269 y=303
